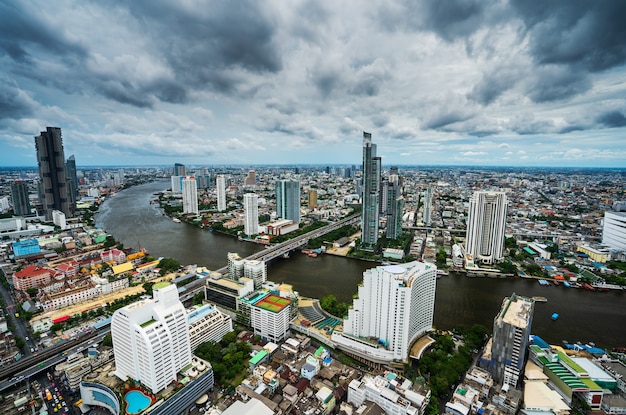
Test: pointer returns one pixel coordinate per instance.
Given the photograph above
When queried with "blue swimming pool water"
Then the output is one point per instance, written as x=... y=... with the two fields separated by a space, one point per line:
x=136 y=402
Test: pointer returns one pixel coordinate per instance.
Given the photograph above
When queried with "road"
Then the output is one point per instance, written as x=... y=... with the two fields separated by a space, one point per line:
x=21 y=329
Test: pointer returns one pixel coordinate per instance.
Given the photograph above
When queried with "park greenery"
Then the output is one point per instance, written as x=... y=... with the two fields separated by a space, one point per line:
x=168 y=265
x=330 y=304
x=228 y=358
x=343 y=232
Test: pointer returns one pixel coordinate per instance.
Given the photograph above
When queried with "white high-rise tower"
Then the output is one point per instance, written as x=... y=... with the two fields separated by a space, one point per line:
x=251 y=212
x=486 y=225
x=151 y=339
x=220 y=184
x=395 y=305
x=190 y=195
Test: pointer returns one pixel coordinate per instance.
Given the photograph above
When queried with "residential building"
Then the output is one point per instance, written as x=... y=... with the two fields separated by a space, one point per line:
x=33 y=276
x=51 y=162
x=190 y=195
x=251 y=213
x=250 y=179
x=288 y=200
x=151 y=339
x=394 y=394
x=395 y=207
x=613 y=231
x=395 y=305
x=370 y=195
x=511 y=334
x=58 y=218
x=177 y=184
x=486 y=225
x=207 y=323
x=19 y=195
x=220 y=185
x=256 y=271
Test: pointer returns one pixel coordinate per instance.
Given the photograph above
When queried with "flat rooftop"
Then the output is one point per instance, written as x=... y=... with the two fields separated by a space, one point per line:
x=273 y=302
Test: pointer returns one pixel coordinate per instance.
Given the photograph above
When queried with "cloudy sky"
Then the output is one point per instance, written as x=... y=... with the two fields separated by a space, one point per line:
x=451 y=82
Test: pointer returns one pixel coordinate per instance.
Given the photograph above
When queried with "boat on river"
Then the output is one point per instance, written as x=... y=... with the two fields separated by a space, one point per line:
x=555 y=316
x=540 y=299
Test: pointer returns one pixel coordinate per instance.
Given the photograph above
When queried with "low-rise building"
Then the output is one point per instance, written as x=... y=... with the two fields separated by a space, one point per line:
x=207 y=323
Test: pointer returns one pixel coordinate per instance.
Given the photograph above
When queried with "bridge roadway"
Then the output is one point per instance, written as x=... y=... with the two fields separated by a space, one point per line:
x=272 y=251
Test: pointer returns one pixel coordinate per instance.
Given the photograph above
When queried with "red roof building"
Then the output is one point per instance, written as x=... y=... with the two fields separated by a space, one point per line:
x=33 y=276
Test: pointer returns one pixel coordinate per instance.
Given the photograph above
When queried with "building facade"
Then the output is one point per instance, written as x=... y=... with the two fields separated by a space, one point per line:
x=72 y=180
x=312 y=199
x=51 y=163
x=370 y=195
x=220 y=187
x=395 y=207
x=190 y=195
x=614 y=230
x=151 y=339
x=395 y=305
x=207 y=323
x=288 y=200
x=428 y=206
x=251 y=213
x=511 y=333
x=19 y=196
x=486 y=225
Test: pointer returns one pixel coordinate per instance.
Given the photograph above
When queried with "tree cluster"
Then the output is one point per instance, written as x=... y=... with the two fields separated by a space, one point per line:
x=228 y=358
x=330 y=304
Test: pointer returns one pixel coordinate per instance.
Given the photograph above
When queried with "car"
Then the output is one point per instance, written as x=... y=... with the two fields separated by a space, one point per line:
x=27 y=339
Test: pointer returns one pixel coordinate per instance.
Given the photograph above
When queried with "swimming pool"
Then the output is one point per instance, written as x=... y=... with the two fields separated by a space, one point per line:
x=136 y=402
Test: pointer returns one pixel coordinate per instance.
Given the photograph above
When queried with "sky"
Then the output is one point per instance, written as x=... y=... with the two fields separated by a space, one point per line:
x=436 y=82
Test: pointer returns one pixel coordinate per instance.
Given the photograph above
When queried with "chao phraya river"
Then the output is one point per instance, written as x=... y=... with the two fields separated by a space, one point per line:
x=584 y=316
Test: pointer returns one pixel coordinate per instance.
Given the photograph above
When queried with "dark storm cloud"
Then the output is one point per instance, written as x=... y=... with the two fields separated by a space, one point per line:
x=581 y=33
x=442 y=119
x=449 y=19
x=124 y=93
x=203 y=44
x=552 y=83
x=14 y=103
x=21 y=30
x=613 y=119
x=494 y=84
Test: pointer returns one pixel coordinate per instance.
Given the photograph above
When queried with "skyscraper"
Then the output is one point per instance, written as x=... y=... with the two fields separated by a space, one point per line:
x=190 y=195
x=395 y=305
x=179 y=170
x=51 y=162
x=428 y=206
x=371 y=183
x=613 y=231
x=72 y=180
x=395 y=207
x=251 y=213
x=220 y=184
x=312 y=199
x=151 y=339
x=511 y=333
x=19 y=195
x=288 y=200
x=486 y=225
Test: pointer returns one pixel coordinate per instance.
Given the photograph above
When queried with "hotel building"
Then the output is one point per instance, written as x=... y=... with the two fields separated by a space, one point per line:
x=151 y=339
x=395 y=306
x=614 y=230
x=486 y=224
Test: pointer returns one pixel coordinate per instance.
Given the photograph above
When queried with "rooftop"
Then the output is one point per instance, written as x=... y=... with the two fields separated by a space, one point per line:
x=273 y=302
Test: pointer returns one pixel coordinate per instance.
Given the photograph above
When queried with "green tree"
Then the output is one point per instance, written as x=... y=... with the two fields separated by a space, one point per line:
x=108 y=340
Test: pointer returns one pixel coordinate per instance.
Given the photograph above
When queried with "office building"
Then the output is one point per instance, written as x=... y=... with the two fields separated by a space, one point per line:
x=511 y=333
x=288 y=200
x=190 y=195
x=428 y=206
x=207 y=323
x=19 y=195
x=268 y=314
x=151 y=339
x=220 y=185
x=312 y=199
x=72 y=180
x=486 y=225
x=51 y=163
x=614 y=230
x=395 y=207
x=395 y=305
x=370 y=196
x=225 y=292
x=251 y=213
x=179 y=170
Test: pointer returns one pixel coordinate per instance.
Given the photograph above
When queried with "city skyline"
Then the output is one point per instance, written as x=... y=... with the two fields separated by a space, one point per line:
x=509 y=83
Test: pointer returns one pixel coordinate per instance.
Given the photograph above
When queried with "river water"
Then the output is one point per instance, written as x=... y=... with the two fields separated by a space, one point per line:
x=584 y=316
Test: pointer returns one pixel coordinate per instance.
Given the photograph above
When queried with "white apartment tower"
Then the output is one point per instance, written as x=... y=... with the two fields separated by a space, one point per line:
x=256 y=271
x=486 y=225
x=220 y=184
x=151 y=339
x=190 y=195
x=428 y=206
x=251 y=213
x=395 y=305
x=614 y=230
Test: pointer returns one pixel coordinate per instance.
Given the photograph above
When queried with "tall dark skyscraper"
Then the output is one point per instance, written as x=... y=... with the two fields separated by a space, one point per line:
x=395 y=207
x=72 y=180
x=179 y=170
x=19 y=194
x=288 y=200
x=51 y=161
x=371 y=188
